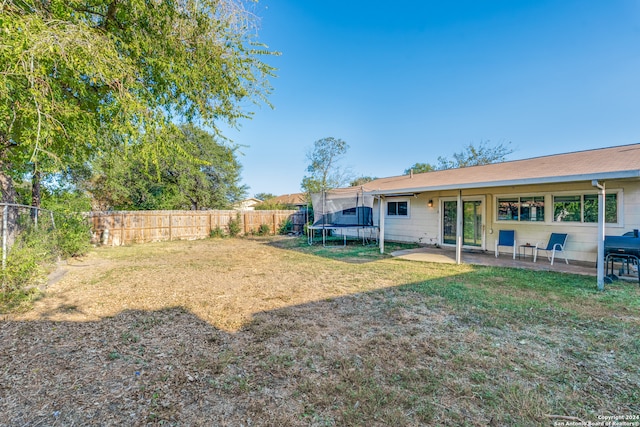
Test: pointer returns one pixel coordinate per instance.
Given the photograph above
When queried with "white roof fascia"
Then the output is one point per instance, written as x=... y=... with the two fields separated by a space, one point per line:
x=635 y=173
x=396 y=194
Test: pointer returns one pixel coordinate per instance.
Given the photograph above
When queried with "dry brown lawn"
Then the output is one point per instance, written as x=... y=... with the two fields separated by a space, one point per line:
x=244 y=332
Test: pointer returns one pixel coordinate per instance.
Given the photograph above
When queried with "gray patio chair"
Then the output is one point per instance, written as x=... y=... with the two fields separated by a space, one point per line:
x=506 y=238
x=556 y=244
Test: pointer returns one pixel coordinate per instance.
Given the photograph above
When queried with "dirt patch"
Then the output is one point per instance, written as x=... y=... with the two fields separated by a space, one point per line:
x=223 y=282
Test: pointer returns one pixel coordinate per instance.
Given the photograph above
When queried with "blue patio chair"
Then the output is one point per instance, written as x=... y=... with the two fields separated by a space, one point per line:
x=506 y=238
x=556 y=244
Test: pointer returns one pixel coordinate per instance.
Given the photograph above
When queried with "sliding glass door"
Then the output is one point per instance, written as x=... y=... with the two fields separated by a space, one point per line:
x=472 y=224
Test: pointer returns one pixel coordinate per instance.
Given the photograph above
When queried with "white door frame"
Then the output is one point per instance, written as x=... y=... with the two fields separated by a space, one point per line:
x=483 y=212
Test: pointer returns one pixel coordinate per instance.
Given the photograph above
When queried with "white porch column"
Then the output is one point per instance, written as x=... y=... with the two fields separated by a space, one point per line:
x=459 y=229
x=601 y=232
x=382 y=205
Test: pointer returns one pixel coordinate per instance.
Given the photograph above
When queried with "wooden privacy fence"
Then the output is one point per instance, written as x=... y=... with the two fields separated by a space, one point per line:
x=126 y=227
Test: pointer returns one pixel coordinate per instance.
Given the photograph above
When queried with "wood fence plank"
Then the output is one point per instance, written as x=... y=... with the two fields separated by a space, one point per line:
x=127 y=227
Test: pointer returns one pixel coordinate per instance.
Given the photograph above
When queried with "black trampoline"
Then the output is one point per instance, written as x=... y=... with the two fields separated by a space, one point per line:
x=347 y=212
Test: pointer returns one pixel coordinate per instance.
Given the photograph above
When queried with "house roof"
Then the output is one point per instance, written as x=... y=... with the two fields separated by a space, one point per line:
x=621 y=162
x=250 y=200
x=246 y=203
x=290 y=199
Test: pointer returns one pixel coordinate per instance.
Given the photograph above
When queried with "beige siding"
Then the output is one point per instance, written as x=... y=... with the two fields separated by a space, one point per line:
x=631 y=207
x=423 y=224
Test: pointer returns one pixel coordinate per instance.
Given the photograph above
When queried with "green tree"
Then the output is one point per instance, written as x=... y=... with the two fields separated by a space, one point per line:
x=79 y=76
x=324 y=169
x=264 y=196
x=361 y=181
x=210 y=181
x=270 y=205
x=472 y=155
x=420 y=168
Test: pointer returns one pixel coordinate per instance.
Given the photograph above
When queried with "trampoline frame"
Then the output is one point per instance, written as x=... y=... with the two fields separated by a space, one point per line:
x=342 y=227
x=361 y=223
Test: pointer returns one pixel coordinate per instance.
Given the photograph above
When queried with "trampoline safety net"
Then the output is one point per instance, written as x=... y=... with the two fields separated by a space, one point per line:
x=344 y=207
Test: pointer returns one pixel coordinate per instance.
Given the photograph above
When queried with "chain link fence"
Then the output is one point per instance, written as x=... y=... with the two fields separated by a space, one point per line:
x=17 y=219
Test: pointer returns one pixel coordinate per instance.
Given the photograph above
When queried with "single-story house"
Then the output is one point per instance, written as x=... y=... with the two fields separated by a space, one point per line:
x=535 y=197
x=247 y=204
x=298 y=200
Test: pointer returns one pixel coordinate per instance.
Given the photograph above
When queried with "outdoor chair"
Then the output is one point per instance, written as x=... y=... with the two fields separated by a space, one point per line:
x=556 y=244
x=506 y=238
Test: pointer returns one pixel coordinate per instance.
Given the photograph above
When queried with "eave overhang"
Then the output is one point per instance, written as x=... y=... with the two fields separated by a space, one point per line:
x=602 y=176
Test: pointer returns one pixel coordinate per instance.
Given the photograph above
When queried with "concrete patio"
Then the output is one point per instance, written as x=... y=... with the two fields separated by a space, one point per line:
x=448 y=255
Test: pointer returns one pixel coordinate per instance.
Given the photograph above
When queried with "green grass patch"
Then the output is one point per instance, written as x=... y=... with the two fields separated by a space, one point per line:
x=354 y=251
x=388 y=342
x=18 y=300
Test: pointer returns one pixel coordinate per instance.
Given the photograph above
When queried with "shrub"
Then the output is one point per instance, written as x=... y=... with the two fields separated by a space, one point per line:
x=73 y=235
x=264 y=230
x=273 y=206
x=26 y=259
x=217 y=233
x=26 y=267
x=285 y=227
x=35 y=249
x=234 y=226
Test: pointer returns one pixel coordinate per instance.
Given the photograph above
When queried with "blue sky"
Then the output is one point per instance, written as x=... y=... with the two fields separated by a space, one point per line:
x=407 y=81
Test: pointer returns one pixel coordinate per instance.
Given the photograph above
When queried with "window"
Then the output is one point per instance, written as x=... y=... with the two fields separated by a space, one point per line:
x=567 y=208
x=530 y=208
x=591 y=208
x=397 y=208
x=610 y=208
x=584 y=208
x=508 y=209
x=350 y=211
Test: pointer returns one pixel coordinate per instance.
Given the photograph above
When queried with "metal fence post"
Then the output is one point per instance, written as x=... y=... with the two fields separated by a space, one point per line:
x=5 y=215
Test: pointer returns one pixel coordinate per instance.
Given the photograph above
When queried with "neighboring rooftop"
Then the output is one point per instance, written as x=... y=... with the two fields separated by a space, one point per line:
x=297 y=199
x=247 y=204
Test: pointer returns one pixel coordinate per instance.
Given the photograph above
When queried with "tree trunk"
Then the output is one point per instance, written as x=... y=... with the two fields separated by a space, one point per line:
x=9 y=196
x=35 y=193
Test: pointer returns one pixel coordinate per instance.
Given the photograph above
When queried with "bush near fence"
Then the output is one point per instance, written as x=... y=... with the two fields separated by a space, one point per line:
x=32 y=240
x=125 y=227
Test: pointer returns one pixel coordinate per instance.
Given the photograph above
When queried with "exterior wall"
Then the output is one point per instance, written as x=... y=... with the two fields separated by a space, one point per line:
x=423 y=224
x=631 y=212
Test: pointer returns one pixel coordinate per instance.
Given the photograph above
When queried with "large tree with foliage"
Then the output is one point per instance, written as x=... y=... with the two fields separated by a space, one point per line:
x=324 y=167
x=420 y=168
x=80 y=76
x=361 y=180
x=472 y=155
x=212 y=181
x=264 y=196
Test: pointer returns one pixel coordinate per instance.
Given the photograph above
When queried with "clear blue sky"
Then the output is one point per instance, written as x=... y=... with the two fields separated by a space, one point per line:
x=407 y=81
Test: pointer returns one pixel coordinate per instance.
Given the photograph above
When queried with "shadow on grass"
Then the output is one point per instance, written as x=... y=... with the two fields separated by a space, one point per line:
x=446 y=351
